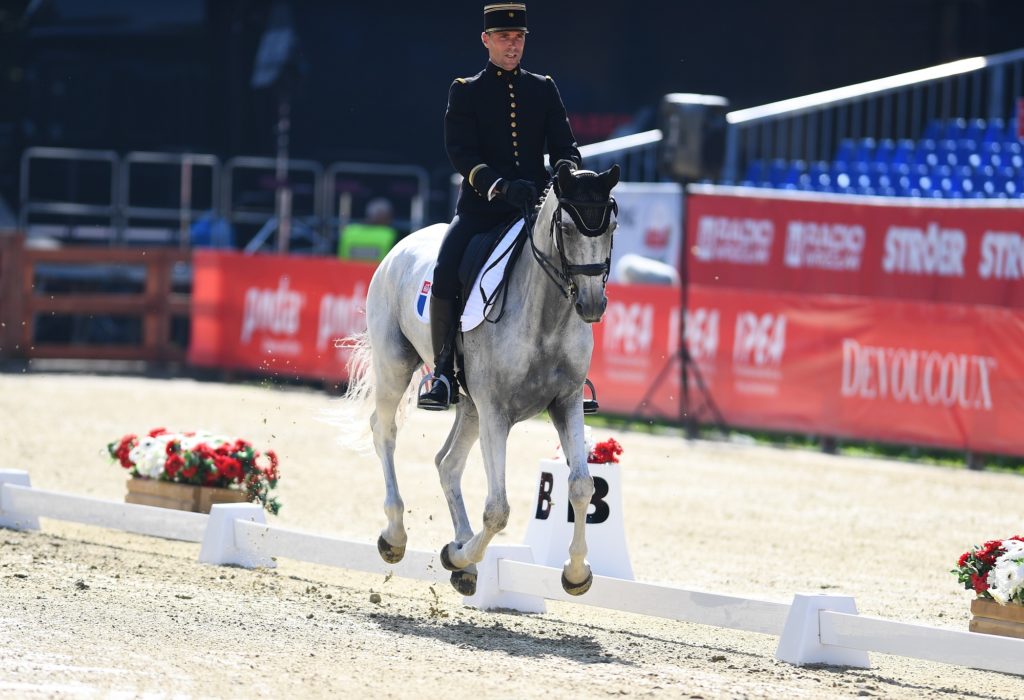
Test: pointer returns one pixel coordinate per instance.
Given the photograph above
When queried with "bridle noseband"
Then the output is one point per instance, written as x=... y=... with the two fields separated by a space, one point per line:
x=562 y=275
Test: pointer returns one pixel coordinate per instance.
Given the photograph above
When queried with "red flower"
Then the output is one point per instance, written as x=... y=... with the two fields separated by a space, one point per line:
x=230 y=468
x=189 y=472
x=123 y=448
x=990 y=551
x=605 y=452
x=155 y=432
x=173 y=464
x=979 y=583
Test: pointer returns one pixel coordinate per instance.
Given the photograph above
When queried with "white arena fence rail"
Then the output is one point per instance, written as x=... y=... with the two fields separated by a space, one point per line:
x=813 y=629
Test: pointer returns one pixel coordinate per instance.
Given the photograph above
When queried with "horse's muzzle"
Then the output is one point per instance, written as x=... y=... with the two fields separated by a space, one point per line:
x=592 y=309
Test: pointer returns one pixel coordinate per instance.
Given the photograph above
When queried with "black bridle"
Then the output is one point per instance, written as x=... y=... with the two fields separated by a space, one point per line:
x=562 y=275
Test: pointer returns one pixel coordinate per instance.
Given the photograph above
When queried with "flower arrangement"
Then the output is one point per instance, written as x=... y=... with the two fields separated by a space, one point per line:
x=604 y=452
x=199 y=459
x=994 y=570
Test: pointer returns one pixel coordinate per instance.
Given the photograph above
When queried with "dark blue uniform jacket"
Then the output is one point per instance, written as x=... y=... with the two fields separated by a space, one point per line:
x=499 y=124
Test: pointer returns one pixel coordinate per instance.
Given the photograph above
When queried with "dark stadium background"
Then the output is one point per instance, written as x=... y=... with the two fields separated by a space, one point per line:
x=372 y=79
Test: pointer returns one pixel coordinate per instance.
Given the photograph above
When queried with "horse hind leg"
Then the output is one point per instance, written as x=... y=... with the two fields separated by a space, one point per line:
x=392 y=373
x=451 y=463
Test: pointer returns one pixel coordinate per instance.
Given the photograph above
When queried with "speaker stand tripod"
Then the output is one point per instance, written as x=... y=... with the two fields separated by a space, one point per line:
x=688 y=418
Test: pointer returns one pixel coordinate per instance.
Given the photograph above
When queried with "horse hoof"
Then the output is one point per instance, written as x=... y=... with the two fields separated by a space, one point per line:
x=464 y=582
x=577 y=588
x=390 y=554
x=446 y=561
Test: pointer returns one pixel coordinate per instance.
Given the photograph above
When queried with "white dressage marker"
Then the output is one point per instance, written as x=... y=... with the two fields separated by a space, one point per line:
x=220 y=545
x=801 y=644
x=8 y=518
x=550 y=528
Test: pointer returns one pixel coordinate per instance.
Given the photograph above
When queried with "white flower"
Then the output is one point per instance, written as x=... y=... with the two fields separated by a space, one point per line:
x=149 y=456
x=1006 y=579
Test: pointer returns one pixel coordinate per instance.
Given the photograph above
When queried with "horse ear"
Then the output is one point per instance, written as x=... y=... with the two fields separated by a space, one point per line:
x=564 y=177
x=610 y=177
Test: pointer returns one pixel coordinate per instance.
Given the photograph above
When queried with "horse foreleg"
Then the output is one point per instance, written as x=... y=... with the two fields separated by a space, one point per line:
x=493 y=439
x=451 y=463
x=567 y=416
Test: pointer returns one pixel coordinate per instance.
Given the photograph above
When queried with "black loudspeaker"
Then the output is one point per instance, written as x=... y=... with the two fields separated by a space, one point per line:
x=693 y=136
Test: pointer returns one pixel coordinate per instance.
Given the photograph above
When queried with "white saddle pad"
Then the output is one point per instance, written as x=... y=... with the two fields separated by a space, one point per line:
x=475 y=311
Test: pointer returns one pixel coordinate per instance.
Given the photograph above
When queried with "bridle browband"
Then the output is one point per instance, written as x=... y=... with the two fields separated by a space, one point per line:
x=562 y=276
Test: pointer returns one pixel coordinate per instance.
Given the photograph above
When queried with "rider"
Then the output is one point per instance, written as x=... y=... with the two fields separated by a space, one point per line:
x=497 y=127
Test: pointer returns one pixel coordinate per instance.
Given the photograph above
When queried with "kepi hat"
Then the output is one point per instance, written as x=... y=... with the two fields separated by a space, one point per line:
x=505 y=16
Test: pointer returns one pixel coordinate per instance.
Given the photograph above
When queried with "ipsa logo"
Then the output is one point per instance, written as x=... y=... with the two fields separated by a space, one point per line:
x=702 y=333
x=630 y=328
x=760 y=340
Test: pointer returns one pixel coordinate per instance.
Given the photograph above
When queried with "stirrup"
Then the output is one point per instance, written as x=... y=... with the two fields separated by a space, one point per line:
x=590 y=405
x=431 y=404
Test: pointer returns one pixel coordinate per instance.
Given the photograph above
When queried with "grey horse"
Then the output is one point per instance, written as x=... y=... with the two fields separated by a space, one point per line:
x=535 y=358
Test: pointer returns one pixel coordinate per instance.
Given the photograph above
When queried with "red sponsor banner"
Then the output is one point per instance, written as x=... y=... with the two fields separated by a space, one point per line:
x=960 y=254
x=901 y=371
x=946 y=375
x=275 y=314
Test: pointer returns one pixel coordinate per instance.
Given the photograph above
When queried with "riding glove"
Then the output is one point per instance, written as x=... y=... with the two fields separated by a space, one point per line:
x=521 y=194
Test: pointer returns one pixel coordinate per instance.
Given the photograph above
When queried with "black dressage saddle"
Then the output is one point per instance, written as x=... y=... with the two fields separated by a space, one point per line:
x=473 y=260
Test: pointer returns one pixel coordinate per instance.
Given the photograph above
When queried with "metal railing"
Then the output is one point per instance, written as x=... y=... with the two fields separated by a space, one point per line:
x=63 y=195
x=179 y=218
x=73 y=206
x=636 y=154
x=304 y=180
x=901 y=106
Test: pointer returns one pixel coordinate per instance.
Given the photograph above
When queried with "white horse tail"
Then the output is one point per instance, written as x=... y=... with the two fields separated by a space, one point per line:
x=360 y=368
x=350 y=413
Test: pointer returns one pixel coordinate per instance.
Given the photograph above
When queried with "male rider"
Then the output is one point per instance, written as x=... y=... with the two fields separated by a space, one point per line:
x=497 y=127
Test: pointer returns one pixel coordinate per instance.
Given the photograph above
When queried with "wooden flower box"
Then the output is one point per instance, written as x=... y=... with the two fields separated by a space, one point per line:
x=166 y=494
x=990 y=617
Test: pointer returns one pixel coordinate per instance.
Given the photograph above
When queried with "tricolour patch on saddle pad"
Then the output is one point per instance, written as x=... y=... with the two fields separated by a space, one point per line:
x=486 y=282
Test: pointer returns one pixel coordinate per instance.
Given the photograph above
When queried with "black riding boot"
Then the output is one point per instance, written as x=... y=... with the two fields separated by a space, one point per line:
x=443 y=389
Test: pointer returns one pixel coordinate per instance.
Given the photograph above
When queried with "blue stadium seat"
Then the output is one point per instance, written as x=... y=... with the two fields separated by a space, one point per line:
x=926 y=152
x=904 y=152
x=755 y=174
x=865 y=151
x=975 y=129
x=796 y=170
x=1005 y=181
x=885 y=150
x=991 y=153
x=994 y=130
x=776 y=172
x=1013 y=154
x=845 y=152
x=966 y=183
x=954 y=129
x=934 y=130
x=820 y=177
x=947 y=151
x=968 y=153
